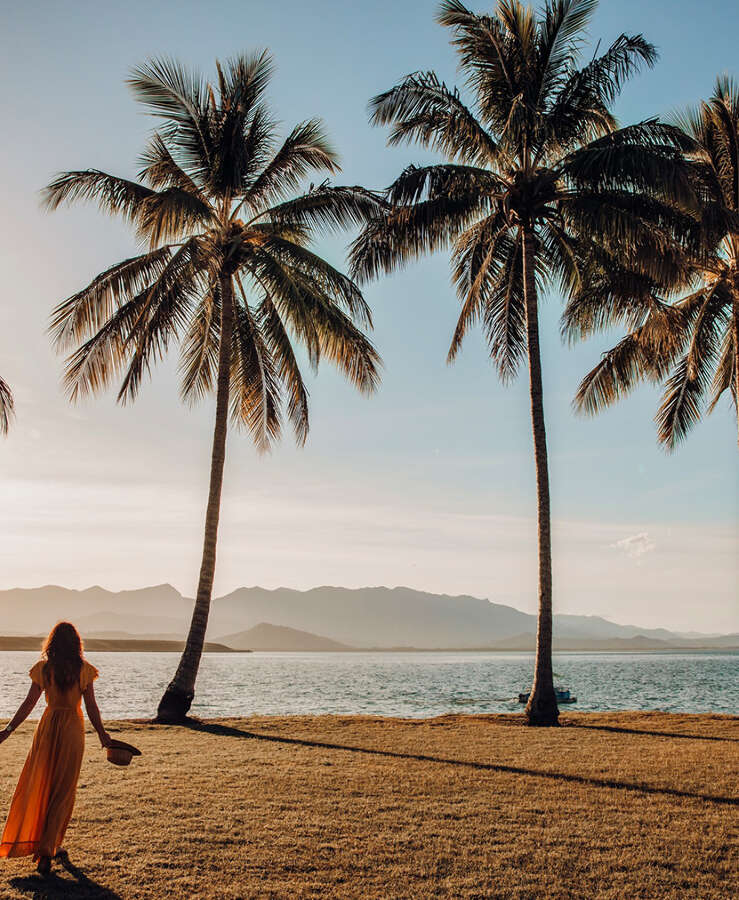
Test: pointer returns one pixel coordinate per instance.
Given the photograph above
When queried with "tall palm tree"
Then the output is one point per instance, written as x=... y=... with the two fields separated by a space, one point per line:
x=228 y=274
x=692 y=343
x=538 y=178
x=6 y=406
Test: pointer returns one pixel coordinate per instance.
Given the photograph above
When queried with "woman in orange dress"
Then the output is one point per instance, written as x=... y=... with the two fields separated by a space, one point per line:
x=43 y=801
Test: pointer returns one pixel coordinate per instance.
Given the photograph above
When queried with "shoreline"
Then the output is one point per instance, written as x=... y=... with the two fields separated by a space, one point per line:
x=568 y=718
x=24 y=643
x=21 y=643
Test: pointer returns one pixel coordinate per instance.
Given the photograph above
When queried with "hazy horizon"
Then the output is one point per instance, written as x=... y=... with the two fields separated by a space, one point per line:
x=429 y=483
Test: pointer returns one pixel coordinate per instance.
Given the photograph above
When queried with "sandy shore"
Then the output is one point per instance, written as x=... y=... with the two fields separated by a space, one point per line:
x=610 y=806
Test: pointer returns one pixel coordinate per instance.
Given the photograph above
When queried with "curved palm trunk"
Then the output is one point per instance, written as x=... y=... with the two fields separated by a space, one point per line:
x=175 y=704
x=541 y=708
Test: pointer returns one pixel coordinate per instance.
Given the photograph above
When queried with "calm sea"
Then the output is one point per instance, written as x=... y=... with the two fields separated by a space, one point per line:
x=398 y=684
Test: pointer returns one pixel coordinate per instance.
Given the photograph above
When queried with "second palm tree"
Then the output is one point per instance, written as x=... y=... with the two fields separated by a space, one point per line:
x=538 y=179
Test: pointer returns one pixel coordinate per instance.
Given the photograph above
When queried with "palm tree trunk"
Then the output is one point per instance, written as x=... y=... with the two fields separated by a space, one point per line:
x=541 y=708
x=177 y=699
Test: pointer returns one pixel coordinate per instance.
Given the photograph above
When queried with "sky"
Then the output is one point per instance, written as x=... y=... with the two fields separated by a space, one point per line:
x=430 y=482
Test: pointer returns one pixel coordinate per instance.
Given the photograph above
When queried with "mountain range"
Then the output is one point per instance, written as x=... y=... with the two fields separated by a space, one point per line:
x=328 y=617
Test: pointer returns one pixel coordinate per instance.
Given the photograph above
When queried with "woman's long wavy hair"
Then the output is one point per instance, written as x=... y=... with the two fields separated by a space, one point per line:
x=62 y=652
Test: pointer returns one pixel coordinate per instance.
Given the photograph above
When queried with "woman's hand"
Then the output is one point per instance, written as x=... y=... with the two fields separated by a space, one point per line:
x=106 y=740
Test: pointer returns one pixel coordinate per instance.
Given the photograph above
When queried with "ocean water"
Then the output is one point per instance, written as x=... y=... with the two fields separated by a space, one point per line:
x=398 y=684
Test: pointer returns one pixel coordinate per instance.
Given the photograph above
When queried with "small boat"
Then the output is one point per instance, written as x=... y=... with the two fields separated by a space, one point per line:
x=562 y=694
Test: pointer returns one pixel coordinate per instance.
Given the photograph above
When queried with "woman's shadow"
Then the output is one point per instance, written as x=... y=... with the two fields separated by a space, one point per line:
x=53 y=887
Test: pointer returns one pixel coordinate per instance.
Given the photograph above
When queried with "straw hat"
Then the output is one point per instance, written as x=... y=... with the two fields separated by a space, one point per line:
x=120 y=754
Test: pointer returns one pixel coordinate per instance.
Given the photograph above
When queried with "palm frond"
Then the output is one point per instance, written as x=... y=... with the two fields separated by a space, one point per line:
x=681 y=406
x=171 y=215
x=621 y=299
x=491 y=72
x=244 y=131
x=505 y=316
x=342 y=290
x=255 y=385
x=422 y=108
x=646 y=234
x=180 y=97
x=725 y=376
x=561 y=258
x=138 y=329
x=685 y=390
x=100 y=359
x=318 y=323
x=645 y=158
x=560 y=38
x=244 y=78
x=327 y=208
x=7 y=406
x=160 y=169
x=157 y=215
x=170 y=301
x=249 y=155
x=471 y=184
x=286 y=364
x=607 y=74
x=619 y=371
x=477 y=267
x=114 y=195
x=306 y=149
x=580 y=108
x=444 y=200
x=199 y=351
x=724 y=107
x=647 y=353
x=85 y=312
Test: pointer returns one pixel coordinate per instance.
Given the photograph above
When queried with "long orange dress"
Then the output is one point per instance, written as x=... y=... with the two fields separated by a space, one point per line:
x=44 y=798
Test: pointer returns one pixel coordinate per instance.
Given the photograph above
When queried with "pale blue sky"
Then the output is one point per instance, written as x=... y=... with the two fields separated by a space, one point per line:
x=429 y=483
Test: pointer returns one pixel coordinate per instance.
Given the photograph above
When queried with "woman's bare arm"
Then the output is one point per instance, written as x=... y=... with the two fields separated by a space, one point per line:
x=24 y=710
x=93 y=714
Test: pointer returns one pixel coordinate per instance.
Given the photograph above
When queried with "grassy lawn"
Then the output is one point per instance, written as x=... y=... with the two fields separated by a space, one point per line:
x=609 y=806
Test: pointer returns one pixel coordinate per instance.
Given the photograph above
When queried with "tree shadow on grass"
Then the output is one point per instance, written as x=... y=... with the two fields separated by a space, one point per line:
x=54 y=887
x=230 y=731
x=620 y=729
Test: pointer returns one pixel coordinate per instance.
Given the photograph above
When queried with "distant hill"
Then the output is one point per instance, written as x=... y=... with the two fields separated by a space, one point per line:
x=97 y=645
x=719 y=641
x=107 y=623
x=36 y=610
x=279 y=637
x=635 y=643
x=372 y=617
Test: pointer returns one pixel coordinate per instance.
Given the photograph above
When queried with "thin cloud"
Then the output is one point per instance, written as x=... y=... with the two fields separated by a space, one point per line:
x=635 y=546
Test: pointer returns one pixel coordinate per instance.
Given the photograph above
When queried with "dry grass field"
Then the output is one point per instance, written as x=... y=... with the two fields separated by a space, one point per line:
x=609 y=806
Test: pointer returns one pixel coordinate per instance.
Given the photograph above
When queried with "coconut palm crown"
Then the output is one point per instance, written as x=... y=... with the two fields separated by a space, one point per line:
x=688 y=337
x=227 y=274
x=539 y=186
